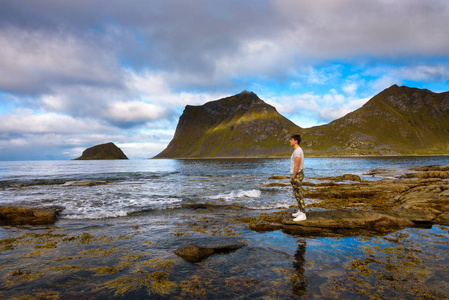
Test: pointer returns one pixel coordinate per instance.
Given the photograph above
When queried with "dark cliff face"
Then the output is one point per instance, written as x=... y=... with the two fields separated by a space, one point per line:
x=239 y=126
x=103 y=151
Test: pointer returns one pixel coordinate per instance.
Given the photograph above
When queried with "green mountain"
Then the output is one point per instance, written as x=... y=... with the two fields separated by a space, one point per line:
x=239 y=126
x=397 y=121
x=103 y=151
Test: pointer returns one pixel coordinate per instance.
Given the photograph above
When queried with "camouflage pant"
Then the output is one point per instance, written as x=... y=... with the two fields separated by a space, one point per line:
x=297 y=190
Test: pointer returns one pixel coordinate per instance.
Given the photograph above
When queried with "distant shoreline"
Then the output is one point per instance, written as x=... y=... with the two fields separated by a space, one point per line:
x=307 y=156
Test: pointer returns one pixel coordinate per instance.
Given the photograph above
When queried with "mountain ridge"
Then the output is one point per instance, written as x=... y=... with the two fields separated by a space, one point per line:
x=397 y=121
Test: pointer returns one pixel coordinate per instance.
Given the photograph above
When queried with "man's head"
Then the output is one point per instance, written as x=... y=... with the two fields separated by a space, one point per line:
x=296 y=138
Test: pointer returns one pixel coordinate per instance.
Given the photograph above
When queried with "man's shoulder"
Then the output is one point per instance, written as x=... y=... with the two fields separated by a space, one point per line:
x=298 y=151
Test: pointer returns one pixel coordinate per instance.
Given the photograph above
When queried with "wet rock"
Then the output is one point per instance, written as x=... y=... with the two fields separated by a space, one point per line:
x=428 y=174
x=210 y=206
x=443 y=219
x=433 y=168
x=197 y=206
x=84 y=183
x=368 y=205
x=351 y=177
x=27 y=216
x=278 y=177
x=349 y=219
x=414 y=215
x=194 y=254
x=263 y=227
x=434 y=174
x=276 y=184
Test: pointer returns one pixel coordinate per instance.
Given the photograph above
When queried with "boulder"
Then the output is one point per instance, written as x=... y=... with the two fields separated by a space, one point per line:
x=194 y=254
x=27 y=216
x=351 y=177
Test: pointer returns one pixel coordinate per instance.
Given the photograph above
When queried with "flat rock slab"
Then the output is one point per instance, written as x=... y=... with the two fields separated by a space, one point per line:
x=194 y=254
x=27 y=216
x=414 y=215
x=349 y=219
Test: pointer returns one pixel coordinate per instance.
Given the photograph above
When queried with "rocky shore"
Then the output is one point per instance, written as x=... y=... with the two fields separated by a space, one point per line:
x=341 y=204
x=346 y=203
x=206 y=250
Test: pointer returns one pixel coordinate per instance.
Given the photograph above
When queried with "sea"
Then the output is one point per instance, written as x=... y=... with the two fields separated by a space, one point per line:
x=116 y=240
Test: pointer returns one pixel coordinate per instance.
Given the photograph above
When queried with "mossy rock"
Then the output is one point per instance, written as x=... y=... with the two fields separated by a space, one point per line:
x=27 y=216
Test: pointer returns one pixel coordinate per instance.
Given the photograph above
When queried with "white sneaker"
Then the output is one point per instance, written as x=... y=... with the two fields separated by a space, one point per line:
x=301 y=217
x=297 y=213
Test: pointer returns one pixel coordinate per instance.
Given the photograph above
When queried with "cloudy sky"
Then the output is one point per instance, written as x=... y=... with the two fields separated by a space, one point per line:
x=74 y=74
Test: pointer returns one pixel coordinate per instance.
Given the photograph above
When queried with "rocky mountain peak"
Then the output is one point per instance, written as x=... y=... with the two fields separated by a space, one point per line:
x=229 y=105
x=228 y=127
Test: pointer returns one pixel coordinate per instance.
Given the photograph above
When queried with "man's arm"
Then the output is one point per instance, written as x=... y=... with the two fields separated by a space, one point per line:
x=296 y=167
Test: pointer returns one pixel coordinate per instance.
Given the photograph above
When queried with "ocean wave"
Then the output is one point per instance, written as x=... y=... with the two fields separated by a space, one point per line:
x=269 y=206
x=95 y=215
x=238 y=194
x=114 y=209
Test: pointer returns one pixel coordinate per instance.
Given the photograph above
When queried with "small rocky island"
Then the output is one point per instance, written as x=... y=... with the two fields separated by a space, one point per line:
x=103 y=151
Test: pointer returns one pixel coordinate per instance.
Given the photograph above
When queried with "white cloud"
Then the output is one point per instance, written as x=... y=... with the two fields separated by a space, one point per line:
x=153 y=87
x=331 y=29
x=387 y=75
x=134 y=112
x=350 y=88
x=26 y=121
x=150 y=83
x=34 y=61
x=142 y=149
x=423 y=73
x=322 y=108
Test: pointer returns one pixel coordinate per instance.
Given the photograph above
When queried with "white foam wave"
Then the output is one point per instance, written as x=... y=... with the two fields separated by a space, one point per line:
x=273 y=206
x=96 y=215
x=238 y=194
x=114 y=209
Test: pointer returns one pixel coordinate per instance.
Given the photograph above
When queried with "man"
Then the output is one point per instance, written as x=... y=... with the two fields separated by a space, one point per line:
x=297 y=176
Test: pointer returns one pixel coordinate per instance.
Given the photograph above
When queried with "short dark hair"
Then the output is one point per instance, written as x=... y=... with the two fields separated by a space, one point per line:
x=296 y=137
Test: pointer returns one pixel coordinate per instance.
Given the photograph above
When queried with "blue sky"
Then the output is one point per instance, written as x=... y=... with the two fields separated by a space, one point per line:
x=74 y=74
